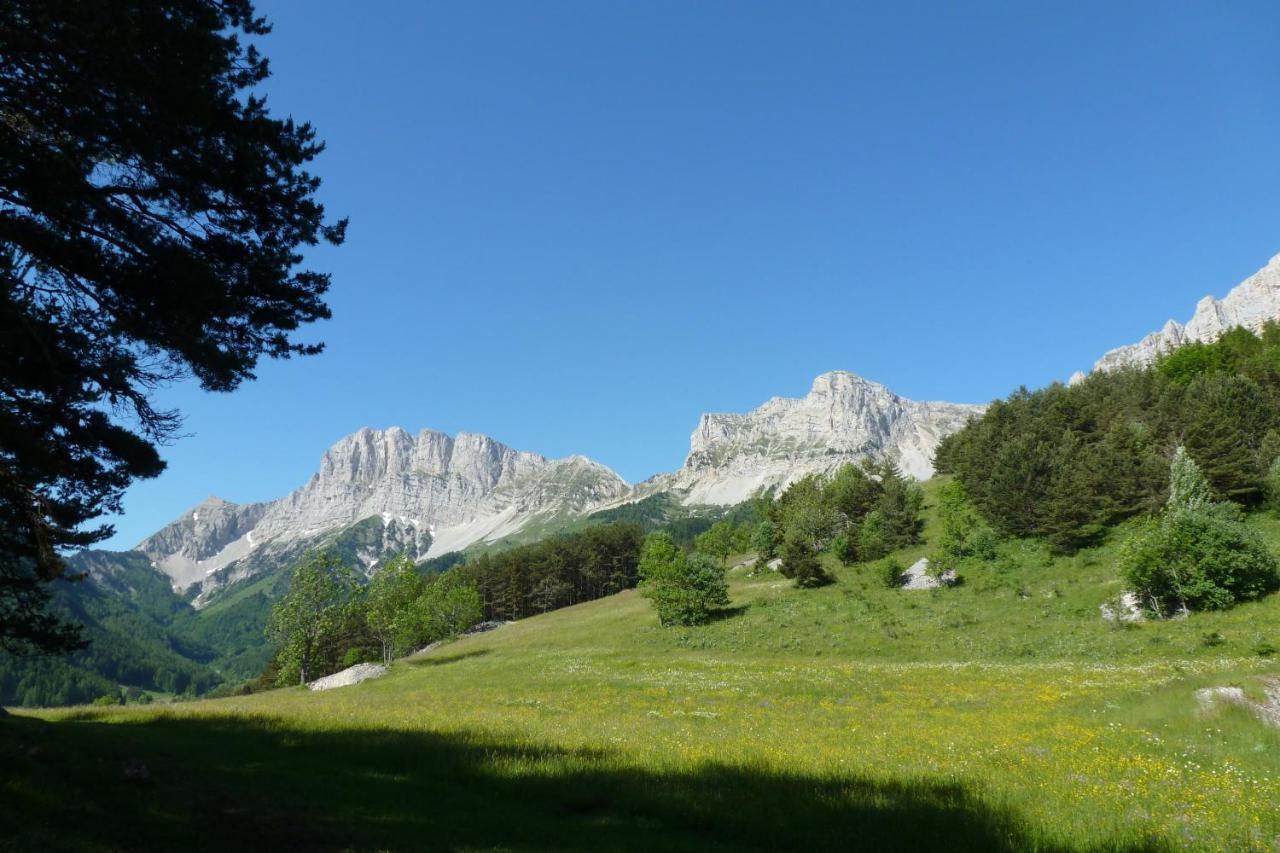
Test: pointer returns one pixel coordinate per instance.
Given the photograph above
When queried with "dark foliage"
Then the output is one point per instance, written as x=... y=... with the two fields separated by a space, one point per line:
x=1067 y=463
x=152 y=214
x=556 y=572
x=141 y=636
x=861 y=512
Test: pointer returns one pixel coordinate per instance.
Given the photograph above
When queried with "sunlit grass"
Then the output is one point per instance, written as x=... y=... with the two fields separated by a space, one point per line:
x=1002 y=713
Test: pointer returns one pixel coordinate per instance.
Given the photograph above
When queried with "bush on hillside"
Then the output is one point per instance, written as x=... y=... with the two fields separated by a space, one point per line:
x=964 y=532
x=1197 y=560
x=889 y=571
x=685 y=588
x=1198 y=555
x=802 y=565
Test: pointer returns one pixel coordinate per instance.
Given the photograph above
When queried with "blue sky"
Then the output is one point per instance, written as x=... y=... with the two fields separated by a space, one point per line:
x=576 y=226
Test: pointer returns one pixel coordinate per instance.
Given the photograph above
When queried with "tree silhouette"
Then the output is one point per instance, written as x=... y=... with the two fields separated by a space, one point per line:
x=152 y=213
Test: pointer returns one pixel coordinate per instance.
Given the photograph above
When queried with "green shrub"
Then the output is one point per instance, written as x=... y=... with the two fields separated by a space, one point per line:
x=685 y=588
x=845 y=547
x=1198 y=555
x=802 y=565
x=889 y=571
x=1197 y=559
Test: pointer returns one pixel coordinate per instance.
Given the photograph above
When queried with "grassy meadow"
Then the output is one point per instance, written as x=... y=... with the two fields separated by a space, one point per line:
x=1002 y=714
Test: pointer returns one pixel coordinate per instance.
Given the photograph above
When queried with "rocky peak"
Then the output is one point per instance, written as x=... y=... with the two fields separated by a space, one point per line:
x=430 y=485
x=843 y=418
x=1250 y=304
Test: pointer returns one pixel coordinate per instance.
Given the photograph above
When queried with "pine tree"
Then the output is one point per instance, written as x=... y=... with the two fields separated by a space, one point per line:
x=154 y=214
x=1225 y=423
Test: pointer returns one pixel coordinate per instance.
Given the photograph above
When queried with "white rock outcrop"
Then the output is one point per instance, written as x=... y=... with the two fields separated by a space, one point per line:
x=349 y=676
x=917 y=576
x=1268 y=710
x=1127 y=608
x=445 y=492
x=1250 y=304
x=844 y=418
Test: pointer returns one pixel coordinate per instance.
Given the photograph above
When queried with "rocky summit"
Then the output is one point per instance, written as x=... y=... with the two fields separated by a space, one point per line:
x=388 y=491
x=432 y=493
x=844 y=418
x=1249 y=304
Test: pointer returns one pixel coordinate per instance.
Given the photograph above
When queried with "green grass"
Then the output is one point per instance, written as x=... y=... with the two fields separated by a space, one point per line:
x=999 y=715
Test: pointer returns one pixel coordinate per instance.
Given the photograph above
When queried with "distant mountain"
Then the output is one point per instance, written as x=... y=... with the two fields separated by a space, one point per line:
x=1250 y=304
x=426 y=494
x=844 y=418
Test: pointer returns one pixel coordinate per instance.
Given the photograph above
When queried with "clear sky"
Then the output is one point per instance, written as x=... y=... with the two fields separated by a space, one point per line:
x=575 y=226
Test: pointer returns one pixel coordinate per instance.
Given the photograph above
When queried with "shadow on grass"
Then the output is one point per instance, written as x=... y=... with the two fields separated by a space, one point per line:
x=441 y=660
x=728 y=612
x=257 y=784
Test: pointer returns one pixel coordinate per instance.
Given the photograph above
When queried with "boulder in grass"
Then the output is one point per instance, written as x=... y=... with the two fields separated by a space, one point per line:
x=1126 y=609
x=1268 y=710
x=918 y=577
x=351 y=675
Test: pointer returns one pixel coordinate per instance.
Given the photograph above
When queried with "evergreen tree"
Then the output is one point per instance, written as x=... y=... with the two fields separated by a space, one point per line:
x=153 y=217
x=801 y=563
x=1226 y=421
x=873 y=541
x=899 y=506
x=1074 y=511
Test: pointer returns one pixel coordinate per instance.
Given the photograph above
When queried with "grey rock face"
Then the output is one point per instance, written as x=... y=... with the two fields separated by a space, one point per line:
x=379 y=492
x=180 y=548
x=1250 y=304
x=426 y=488
x=844 y=418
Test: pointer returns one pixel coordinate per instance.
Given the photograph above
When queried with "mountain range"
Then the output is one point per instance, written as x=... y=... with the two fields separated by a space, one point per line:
x=427 y=494
x=191 y=600
x=431 y=493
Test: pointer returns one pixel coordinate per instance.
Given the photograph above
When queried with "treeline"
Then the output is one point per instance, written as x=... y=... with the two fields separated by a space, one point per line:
x=1068 y=462
x=556 y=572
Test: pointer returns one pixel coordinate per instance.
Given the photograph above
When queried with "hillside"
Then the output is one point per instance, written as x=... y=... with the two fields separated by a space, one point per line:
x=1000 y=714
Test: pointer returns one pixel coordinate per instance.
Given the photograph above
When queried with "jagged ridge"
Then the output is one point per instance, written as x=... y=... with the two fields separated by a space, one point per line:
x=1250 y=304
